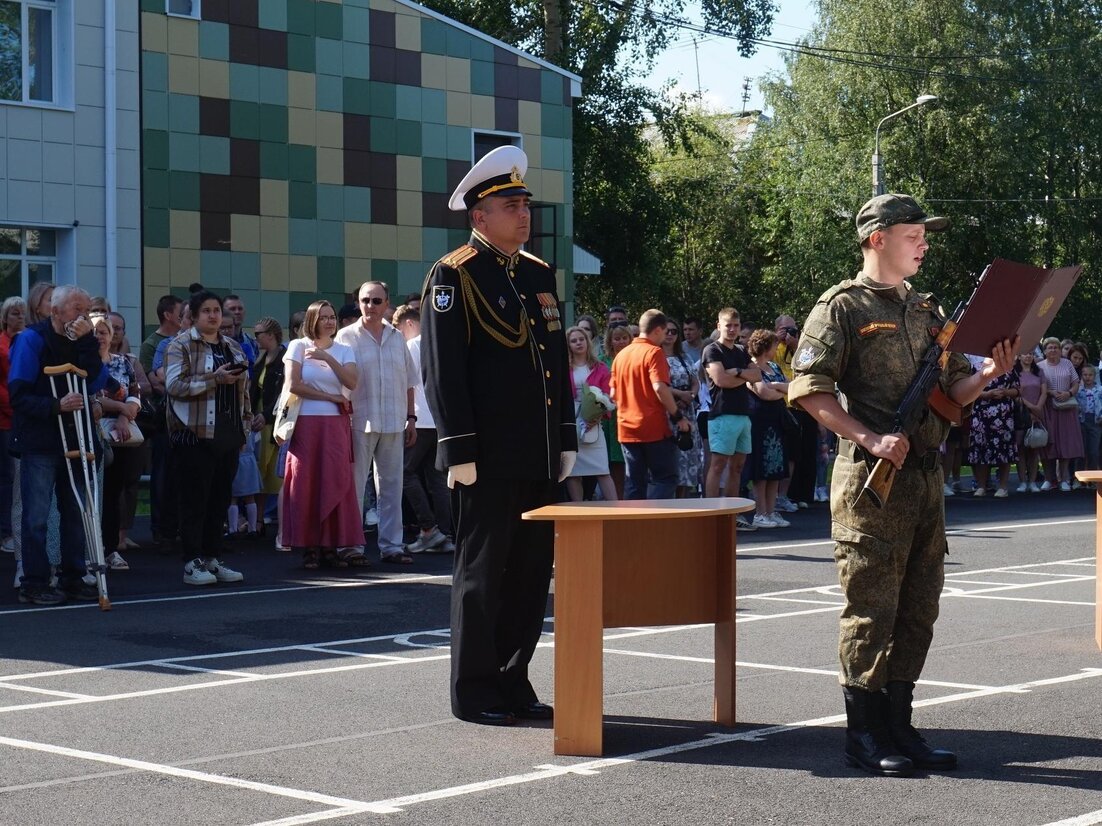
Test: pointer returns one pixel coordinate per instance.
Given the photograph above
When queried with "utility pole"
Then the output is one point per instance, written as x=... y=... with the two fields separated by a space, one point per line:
x=696 y=57
x=746 y=86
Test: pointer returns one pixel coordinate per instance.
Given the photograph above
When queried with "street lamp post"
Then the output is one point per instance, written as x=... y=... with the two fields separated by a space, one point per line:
x=877 y=170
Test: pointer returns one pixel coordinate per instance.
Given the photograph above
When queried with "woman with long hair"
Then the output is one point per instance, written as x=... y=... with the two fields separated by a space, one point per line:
x=267 y=381
x=586 y=369
x=321 y=513
x=1032 y=393
x=768 y=460
x=617 y=337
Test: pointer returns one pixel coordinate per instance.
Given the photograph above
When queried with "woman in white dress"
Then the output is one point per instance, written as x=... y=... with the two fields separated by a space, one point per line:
x=585 y=368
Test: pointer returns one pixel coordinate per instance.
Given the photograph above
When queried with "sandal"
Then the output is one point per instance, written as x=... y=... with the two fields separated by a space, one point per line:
x=352 y=557
x=310 y=559
x=397 y=559
x=330 y=559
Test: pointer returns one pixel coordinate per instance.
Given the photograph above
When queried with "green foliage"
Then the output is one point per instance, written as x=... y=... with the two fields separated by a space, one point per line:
x=1012 y=151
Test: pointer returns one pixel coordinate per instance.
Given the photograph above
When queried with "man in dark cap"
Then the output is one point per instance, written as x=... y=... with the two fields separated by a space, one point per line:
x=866 y=336
x=497 y=382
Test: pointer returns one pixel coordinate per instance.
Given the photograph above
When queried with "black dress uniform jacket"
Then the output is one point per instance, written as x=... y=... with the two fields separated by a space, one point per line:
x=495 y=363
x=496 y=377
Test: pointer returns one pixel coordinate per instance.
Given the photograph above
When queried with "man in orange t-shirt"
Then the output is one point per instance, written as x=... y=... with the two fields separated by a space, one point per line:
x=644 y=409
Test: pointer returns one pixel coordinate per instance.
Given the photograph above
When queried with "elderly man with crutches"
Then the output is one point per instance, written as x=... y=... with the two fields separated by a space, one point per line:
x=65 y=338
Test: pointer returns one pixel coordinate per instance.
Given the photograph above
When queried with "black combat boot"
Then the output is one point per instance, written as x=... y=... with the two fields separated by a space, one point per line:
x=899 y=697
x=868 y=745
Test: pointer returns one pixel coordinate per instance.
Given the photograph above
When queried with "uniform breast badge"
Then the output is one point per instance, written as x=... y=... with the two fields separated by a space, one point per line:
x=443 y=297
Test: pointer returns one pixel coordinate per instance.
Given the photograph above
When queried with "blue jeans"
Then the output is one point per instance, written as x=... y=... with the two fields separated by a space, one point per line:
x=40 y=475
x=660 y=459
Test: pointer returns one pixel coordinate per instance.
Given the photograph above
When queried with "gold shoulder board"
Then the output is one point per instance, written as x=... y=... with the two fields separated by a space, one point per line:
x=458 y=256
x=533 y=258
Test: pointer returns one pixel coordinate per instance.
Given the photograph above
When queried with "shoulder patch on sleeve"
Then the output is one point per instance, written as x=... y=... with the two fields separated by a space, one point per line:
x=459 y=256
x=533 y=258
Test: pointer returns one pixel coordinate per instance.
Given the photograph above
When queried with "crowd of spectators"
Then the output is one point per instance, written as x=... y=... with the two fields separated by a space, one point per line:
x=690 y=409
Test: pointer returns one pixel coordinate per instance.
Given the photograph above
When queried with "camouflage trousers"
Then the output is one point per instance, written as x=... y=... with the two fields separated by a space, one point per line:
x=891 y=566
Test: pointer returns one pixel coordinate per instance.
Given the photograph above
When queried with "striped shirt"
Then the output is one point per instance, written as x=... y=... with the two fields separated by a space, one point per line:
x=191 y=386
x=380 y=402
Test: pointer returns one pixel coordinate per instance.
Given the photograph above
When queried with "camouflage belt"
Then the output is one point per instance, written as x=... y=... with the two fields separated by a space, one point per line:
x=928 y=461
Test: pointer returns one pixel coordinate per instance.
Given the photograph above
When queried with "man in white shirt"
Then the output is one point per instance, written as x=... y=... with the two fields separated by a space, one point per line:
x=383 y=418
x=425 y=487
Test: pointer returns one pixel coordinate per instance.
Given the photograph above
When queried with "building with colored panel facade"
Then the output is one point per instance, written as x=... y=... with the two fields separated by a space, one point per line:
x=70 y=205
x=292 y=149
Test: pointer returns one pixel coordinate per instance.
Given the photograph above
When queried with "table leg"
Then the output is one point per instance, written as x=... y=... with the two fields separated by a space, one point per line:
x=1098 y=565
x=579 y=626
x=724 y=711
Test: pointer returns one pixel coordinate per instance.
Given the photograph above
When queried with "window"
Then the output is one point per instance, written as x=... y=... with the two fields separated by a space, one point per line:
x=28 y=34
x=183 y=8
x=27 y=256
x=484 y=142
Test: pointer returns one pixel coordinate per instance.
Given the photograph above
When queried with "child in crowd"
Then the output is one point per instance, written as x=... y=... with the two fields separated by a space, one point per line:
x=246 y=486
x=1090 y=411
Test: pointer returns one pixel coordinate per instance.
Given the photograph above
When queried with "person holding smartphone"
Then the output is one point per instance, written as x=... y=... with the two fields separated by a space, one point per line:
x=208 y=413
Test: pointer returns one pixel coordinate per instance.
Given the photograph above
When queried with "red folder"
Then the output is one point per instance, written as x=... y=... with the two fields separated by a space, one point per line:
x=1012 y=299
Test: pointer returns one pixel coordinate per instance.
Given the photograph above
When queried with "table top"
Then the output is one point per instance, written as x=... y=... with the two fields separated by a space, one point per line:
x=642 y=509
x=1089 y=475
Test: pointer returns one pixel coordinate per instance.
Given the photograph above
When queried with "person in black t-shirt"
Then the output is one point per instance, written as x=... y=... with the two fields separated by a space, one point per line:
x=728 y=369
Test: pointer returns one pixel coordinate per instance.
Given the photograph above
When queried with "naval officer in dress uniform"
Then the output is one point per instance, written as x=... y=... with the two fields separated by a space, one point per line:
x=494 y=360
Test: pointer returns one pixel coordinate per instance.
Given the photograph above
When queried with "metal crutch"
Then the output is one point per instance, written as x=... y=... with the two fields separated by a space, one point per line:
x=76 y=381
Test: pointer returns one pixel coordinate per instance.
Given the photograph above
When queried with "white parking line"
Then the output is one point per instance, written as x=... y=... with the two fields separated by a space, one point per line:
x=353 y=806
x=34 y=690
x=1089 y=819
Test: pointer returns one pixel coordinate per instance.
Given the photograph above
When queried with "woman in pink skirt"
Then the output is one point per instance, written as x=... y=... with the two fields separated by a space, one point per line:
x=1065 y=439
x=320 y=511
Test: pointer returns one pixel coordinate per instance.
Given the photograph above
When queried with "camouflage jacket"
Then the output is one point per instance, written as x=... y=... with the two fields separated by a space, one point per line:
x=869 y=340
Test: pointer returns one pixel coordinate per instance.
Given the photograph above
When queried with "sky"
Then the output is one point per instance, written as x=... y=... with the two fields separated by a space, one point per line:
x=722 y=69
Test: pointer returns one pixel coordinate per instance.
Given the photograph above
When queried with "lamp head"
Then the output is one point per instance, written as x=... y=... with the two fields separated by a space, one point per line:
x=925 y=98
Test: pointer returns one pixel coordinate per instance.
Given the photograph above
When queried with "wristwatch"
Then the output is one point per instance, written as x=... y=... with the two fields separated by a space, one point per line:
x=411 y=416
x=738 y=372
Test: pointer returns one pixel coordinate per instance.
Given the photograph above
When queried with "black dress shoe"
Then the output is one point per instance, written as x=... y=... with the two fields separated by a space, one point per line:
x=534 y=711
x=491 y=717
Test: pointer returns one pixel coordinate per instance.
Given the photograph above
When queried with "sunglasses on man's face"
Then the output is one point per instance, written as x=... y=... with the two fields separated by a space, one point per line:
x=614 y=324
x=372 y=299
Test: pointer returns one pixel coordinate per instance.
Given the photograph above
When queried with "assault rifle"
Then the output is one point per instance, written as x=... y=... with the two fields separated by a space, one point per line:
x=923 y=394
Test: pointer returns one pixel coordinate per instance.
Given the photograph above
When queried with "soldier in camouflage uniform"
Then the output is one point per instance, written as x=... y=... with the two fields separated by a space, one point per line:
x=867 y=336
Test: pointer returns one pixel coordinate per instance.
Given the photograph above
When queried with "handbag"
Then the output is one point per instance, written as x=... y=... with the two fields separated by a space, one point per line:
x=1036 y=437
x=286 y=414
x=107 y=427
x=1070 y=403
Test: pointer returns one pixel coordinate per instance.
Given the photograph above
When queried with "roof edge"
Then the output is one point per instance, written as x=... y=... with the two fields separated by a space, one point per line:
x=575 y=86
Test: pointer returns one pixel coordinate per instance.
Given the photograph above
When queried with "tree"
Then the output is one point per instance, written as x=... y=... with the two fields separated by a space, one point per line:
x=610 y=44
x=1012 y=152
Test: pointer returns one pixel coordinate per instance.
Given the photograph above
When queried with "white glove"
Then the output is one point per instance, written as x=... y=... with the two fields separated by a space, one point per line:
x=464 y=474
x=566 y=463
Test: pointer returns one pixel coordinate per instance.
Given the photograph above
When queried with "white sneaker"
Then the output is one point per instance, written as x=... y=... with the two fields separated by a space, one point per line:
x=779 y=520
x=447 y=548
x=1023 y=487
x=222 y=573
x=786 y=505
x=1047 y=486
x=8 y=545
x=427 y=541
x=1001 y=493
x=1065 y=487
x=980 y=492
x=196 y=574
x=371 y=520
x=762 y=520
x=1033 y=488
x=821 y=494
x=947 y=491
x=744 y=524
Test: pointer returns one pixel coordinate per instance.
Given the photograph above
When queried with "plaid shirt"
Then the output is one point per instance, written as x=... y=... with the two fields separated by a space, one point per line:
x=192 y=388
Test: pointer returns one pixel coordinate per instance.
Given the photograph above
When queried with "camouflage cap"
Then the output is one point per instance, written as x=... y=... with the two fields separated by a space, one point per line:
x=884 y=211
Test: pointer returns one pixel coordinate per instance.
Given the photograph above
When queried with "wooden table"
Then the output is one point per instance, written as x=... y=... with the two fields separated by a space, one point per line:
x=662 y=562
x=1094 y=477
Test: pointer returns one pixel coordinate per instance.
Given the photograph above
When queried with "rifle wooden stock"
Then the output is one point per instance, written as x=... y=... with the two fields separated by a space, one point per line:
x=878 y=486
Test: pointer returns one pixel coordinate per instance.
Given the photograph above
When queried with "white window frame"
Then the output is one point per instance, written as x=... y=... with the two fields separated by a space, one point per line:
x=26 y=260
x=196 y=10
x=61 y=53
x=516 y=139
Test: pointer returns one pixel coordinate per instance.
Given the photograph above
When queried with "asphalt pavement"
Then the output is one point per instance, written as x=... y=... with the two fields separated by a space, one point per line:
x=298 y=697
